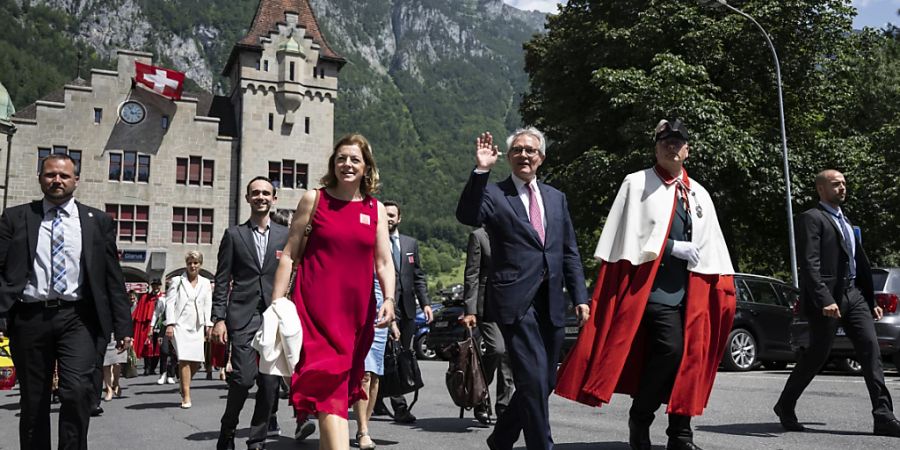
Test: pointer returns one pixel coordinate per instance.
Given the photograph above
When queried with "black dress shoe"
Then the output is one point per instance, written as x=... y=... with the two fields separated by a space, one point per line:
x=304 y=430
x=788 y=418
x=404 y=416
x=226 y=440
x=888 y=428
x=483 y=414
x=680 y=444
x=491 y=443
x=97 y=411
x=638 y=436
x=273 y=428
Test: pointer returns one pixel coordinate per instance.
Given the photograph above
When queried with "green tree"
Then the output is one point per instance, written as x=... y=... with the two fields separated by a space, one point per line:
x=607 y=71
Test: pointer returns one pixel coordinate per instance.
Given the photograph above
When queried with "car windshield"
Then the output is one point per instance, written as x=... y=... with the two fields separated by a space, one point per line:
x=879 y=278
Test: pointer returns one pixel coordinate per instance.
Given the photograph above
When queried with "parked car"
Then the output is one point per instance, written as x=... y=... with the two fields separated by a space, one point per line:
x=423 y=330
x=761 y=330
x=887 y=289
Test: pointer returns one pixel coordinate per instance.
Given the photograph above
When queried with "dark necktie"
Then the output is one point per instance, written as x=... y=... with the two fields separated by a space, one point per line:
x=848 y=242
x=395 y=249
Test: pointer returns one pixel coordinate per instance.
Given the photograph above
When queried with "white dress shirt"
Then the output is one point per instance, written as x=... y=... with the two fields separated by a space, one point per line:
x=38 y=287
x=524 y=195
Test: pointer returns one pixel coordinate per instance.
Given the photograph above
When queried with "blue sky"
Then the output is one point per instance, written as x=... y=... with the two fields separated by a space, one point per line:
x=872 y=13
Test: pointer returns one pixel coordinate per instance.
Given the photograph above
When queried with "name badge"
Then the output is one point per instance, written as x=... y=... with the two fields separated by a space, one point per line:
x=278 y=254
x=411 y=258
x=365 y=219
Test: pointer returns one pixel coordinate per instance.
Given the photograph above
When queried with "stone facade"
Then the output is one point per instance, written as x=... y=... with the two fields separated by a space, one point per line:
x=281 y=110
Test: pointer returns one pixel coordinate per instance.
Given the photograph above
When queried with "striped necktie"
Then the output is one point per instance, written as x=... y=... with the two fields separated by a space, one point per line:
x=534 y=213
x=58 y=252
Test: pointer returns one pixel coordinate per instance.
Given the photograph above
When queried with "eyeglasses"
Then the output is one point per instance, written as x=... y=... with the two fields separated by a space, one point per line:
x=528 y=151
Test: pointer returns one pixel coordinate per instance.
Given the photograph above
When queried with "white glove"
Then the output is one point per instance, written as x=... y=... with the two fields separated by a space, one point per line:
x=687 y=251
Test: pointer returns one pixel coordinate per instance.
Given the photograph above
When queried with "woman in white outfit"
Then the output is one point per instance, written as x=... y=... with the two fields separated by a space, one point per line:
x=188 y=305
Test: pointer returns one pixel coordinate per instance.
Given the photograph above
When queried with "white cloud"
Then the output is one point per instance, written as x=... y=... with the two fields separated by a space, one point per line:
x=530 y=5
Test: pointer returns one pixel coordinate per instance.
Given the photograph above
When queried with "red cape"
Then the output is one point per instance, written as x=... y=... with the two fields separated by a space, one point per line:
x=142 y=315
x=609 y=354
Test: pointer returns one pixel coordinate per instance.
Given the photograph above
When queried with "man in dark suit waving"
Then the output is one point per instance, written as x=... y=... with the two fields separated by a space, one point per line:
x=412 y=293
x=836 y=290
x=248 y=257
x=534 y=257
x=64 y=292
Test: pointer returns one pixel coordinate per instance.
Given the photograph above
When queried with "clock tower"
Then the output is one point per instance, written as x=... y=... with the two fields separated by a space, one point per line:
x=284 y=83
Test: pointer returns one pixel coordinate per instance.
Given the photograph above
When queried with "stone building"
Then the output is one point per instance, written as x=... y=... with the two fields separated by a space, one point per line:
x=173 y=173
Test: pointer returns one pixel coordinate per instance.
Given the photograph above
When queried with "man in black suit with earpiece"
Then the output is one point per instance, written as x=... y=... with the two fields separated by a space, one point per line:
x=836 y=290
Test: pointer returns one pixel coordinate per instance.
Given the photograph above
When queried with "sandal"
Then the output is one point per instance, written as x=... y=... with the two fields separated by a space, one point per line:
x=369 y=446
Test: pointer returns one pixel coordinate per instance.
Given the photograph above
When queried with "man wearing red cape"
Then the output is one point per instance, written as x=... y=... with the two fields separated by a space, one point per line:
x=145 y=343
x=663 y=303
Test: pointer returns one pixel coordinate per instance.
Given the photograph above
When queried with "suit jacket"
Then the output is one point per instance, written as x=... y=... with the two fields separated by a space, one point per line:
x=411 y=283
x=104 y=284
x=178 y=297
x=239 y=270
x=519 y=262
x=478 y=267
x=824 y=259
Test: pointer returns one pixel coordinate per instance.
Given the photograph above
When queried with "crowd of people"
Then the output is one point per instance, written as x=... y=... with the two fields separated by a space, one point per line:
x=338 y=276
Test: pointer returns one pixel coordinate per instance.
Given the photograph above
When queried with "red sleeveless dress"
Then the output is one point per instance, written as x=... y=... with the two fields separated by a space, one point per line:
x=335 y=302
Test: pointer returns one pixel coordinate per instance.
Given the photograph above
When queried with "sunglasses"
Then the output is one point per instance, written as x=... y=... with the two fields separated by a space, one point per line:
x=528 y=151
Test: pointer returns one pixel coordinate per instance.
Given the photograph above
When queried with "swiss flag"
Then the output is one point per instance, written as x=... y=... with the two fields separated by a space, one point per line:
x=166 y=82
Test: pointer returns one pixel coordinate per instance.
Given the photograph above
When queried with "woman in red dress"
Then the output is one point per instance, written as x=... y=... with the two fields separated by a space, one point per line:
x=333 y=289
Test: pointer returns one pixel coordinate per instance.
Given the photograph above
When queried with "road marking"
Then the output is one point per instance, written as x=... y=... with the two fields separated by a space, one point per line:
x=819 y=379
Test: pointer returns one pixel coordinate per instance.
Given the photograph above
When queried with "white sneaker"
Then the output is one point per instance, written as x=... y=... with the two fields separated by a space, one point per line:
x=170 y=380
x=162 y=379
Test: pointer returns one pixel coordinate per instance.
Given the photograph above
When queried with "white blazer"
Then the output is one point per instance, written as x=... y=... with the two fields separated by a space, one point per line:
x=180 y=292
x=279 y=339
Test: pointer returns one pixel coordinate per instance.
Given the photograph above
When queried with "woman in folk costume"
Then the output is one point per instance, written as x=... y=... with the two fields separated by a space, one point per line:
x=188 y=307
x=663 y=303
x=146 y=345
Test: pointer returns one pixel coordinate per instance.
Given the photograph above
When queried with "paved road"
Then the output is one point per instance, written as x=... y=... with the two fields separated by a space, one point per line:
x=835 y=408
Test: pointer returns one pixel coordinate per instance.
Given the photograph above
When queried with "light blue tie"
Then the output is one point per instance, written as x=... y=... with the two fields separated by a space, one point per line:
x=58 y=252
x=848 y=239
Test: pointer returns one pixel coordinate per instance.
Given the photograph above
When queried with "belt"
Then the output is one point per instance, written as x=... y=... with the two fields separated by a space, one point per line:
x=50 y=304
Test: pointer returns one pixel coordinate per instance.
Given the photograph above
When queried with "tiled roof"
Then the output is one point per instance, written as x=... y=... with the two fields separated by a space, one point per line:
x=271 y=12
x=30 y=111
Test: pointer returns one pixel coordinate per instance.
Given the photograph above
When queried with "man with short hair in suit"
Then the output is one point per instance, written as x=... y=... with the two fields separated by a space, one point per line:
x=412 y=293
x=248 y=258
x=64 y=292
x=477 y=273
x=534 y=257
x=836 y=289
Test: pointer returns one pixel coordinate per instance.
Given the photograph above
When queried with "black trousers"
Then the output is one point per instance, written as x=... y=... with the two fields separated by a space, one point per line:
x=407 y=328
x=168 y=360
x=664 y=328
x=533 y=344
x=858 y=323
x=40 y=337
x=245 y=373
x=496 y=360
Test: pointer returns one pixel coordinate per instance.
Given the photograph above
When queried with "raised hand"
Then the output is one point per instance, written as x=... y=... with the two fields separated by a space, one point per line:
x=486 y=152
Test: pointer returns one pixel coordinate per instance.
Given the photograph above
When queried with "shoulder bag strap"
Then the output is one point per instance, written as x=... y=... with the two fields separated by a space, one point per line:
x=307 y=230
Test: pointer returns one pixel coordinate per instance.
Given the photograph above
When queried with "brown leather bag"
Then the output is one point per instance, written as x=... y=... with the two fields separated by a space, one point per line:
x=465 y=376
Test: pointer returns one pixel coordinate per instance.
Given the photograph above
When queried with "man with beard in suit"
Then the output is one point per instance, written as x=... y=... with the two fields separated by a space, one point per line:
x=836 y=290
x=64 y=292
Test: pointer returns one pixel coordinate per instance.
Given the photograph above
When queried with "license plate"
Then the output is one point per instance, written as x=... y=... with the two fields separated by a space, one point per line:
x=840 y=332
x=441 y=324
x=572 y=330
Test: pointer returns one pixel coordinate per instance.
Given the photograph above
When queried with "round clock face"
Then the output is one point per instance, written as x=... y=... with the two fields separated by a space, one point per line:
x=132 y=112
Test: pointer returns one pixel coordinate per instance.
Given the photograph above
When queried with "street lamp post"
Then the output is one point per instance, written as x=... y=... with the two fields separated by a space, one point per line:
x=784 y=148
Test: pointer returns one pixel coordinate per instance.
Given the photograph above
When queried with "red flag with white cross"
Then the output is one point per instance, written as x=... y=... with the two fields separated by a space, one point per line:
x=166 y=82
